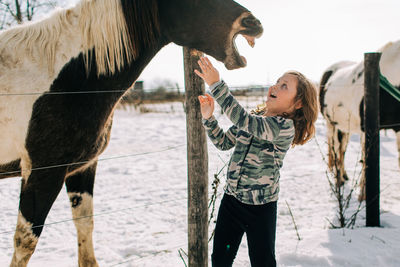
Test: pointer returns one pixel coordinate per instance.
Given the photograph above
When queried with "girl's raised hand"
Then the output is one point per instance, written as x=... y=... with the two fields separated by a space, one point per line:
x=206 y=106
x=208 y=73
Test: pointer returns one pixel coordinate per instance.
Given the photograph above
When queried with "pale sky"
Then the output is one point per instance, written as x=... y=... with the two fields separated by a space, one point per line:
x=303 y=35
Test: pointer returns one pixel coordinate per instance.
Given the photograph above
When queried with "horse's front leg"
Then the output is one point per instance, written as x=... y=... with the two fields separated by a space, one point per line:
x=337 y=144
x=39 y=190
x=80 y=192
x=343 y=138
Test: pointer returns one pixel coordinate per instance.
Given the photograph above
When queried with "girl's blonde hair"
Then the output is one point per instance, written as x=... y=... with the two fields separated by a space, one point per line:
x=304 y=118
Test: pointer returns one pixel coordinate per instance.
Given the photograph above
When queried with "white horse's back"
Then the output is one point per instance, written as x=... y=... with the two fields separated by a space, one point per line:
x=344 y=89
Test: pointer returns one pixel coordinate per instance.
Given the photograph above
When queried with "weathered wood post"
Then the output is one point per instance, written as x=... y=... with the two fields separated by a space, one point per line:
x=371 y=119
x=197 y=158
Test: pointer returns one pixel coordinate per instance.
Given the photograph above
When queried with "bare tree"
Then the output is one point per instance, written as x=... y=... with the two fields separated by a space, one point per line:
x=14 y=12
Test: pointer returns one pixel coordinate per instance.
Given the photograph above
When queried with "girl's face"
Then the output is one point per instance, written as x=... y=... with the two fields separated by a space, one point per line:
x=280 y=98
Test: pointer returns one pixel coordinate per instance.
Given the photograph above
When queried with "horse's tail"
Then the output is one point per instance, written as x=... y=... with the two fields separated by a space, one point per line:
x=325 y=78
x=322 y=89
x=11 y=169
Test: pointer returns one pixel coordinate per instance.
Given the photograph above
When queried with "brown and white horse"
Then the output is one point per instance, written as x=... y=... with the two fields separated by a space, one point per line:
x=61 y=78
x=342 y=102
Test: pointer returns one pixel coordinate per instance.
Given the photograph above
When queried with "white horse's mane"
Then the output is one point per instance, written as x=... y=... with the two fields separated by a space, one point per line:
x=101 y=24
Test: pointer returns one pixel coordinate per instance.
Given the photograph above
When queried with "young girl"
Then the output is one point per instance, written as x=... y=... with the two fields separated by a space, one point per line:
x=249 y=204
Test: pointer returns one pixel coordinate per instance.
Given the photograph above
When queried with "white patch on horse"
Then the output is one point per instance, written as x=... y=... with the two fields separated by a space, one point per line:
x=343 y=97
x=29 y=61
x=82 y=212
x=81 y=168
x=26 y=165
x=24 y=242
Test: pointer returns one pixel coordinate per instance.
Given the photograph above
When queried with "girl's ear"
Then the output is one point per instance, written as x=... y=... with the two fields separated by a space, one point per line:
x=298 y=105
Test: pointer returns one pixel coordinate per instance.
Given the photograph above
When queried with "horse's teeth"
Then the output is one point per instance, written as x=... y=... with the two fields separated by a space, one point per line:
x=252 y=44
x=250 y=40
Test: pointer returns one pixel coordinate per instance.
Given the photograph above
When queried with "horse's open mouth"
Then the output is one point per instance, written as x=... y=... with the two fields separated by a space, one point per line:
x=252 y=30
x=251 y=40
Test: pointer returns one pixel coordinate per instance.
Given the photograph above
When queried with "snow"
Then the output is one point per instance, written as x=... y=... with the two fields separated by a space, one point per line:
x=140 y=202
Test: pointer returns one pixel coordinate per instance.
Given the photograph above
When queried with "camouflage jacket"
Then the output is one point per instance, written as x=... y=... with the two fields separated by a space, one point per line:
x=260 y=145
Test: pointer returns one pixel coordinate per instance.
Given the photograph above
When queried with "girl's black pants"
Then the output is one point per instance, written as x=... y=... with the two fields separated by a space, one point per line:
x=236 y=218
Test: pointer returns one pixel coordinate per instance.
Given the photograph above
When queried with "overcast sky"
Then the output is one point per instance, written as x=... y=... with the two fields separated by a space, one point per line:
x=304 y=35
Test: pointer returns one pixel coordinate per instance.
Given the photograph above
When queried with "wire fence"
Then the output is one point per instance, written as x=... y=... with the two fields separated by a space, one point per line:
x=135 y=258
x=147 y=92
x=124 y=209
x=247 y=101
x=250 y=89
x=85 y=162
x=106 y=213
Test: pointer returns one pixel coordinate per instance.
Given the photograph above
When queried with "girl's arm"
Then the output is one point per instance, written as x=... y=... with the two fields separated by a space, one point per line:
x=220 y=139
x=268 y=128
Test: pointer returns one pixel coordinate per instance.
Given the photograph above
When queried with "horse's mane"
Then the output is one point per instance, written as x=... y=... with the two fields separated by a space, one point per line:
x=142 y=20
x=116 y=29
x=36 y=40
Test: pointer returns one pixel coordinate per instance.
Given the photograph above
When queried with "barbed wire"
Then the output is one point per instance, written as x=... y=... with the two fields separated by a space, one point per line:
x=114 y=211
x=62 y=93
x=131 y=90
x=99 y=214
x=389 y=125
x=105 y=213
x=151 y=90
x=87 y=161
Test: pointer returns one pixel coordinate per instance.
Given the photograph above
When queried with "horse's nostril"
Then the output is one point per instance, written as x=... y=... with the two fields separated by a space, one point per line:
x=257 y=22
x=251 y=22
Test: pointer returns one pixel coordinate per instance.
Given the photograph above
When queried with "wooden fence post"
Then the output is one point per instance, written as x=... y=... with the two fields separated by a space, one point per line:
x=197 y=158
x=371 y=119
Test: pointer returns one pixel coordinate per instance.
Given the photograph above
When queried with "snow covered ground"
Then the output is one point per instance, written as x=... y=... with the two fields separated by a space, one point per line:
x=141 y=203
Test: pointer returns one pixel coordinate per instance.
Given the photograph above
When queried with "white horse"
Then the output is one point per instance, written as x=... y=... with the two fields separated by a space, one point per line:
x=60 y=80
x=342 y=101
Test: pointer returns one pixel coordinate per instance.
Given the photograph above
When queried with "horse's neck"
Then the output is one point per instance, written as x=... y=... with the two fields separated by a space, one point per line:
x=44 y=48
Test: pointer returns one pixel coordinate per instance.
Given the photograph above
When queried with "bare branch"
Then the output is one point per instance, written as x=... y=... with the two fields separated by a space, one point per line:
x=18 y=11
